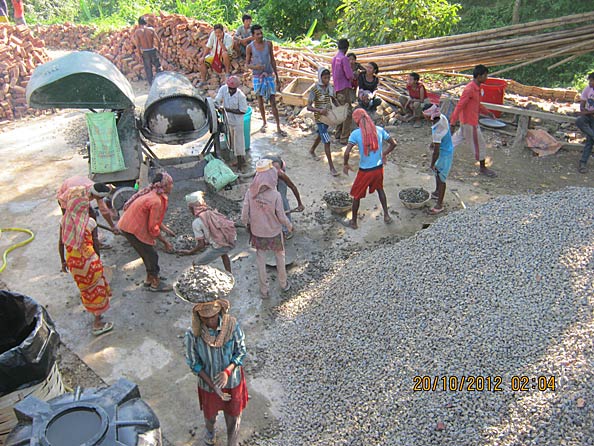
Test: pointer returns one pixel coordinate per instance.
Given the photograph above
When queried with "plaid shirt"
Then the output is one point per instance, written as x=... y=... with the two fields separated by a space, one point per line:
x=144 y=217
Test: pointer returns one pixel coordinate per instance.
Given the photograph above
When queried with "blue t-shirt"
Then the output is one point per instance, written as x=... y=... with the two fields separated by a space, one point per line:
x=374 y=159
x=441 y=134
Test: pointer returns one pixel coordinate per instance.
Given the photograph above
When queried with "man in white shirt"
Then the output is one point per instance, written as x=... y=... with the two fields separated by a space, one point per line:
x=217 y=53
x=232 y=99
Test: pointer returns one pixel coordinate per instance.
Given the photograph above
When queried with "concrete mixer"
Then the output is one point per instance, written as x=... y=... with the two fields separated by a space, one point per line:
x=174 y=113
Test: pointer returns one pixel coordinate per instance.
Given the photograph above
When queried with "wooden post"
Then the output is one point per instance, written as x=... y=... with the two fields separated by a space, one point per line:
x=521 y=133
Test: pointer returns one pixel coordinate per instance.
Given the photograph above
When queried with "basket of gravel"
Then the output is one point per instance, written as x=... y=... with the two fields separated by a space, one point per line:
x=203 y=283
x=339 y=202
x=414 y=197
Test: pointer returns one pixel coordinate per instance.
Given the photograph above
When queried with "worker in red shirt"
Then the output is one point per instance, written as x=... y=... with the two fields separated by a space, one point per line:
x=468 y=110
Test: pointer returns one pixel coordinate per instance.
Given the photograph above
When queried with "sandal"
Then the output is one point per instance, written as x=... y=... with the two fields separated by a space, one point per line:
x=435 y=211
x=287 y=288
x=282 y=133
x=107 y=327
x=148 y=284
x=162 y=287
x=582 y=168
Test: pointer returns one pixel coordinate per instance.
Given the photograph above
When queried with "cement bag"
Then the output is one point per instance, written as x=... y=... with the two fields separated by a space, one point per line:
x=336 y=115
x=217 y=173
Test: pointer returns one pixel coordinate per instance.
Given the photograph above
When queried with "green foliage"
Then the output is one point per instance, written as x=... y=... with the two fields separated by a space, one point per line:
x=372 y=22
x=50 y=11
x=292 y=18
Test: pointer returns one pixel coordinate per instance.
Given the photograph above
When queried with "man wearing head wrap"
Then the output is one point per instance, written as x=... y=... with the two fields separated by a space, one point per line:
x=319 y=103
x=441 y=161
x=142 y=224
x=215 y=350
x=95 y=191
x=232 y=99
x=264 y=216
x=370 y=140
x=212 y=231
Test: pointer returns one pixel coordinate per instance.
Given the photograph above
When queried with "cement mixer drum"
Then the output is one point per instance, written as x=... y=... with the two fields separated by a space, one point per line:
x=174 y=112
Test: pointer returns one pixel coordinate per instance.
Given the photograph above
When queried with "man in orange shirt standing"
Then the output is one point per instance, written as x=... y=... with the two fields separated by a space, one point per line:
x=142 y=223
x=468 y=110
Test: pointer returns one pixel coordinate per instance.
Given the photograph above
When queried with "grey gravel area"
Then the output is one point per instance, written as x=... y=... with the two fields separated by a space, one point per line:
x=337 y=198
x=502 y=290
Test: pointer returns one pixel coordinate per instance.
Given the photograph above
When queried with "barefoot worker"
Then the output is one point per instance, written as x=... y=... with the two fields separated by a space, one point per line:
x=369 y=139
x=82 y=259
x=468 y=110
x=260 y=59
x=215 y=349
x=319 y=103
x=146 y=41
x=441 y=161
x=212 y=230
x=142 y=224
x=264 y=216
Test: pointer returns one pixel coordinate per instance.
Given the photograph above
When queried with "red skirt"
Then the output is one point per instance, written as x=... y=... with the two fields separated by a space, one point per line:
x=372 y=179
x=210 y=403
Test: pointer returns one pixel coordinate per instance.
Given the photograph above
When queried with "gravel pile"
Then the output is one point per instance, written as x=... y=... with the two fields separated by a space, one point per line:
x=501 y=291
x=184 y=242
x=337 y=198
x=414 y=195
x=203 y=283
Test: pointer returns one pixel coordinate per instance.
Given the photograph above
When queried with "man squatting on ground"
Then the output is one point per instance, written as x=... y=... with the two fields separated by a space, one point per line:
x=216 y=54
x=215 y=234
x=319 y=103
x=243 y=36
x=215 y=350
x=260 y=59
x=468 y=110
x=585 y=122
x=369 y=139
x=147 y=43
x=235 y=104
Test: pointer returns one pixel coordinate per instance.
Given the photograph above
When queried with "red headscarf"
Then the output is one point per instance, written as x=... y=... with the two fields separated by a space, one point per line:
x=368 y=131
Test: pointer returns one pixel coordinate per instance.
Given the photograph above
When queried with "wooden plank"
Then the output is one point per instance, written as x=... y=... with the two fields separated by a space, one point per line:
x=530 y=113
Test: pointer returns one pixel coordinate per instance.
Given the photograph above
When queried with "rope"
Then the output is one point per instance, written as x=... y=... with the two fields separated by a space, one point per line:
x=16 y=245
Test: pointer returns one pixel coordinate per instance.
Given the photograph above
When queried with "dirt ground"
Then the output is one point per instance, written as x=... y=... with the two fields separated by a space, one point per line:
x=146 y=344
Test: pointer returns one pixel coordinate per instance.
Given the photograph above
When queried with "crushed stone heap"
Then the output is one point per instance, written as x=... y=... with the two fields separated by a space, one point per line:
x=501 y=291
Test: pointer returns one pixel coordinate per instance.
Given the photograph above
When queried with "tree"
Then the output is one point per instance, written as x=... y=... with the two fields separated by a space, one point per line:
x=373 y=22
x=292 y=18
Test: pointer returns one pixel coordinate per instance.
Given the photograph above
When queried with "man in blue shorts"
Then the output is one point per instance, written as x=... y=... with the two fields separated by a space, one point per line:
x=441 y=162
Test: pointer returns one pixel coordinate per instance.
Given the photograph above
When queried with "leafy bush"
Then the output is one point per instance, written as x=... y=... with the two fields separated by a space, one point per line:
x=373 y=22
x=289 y=19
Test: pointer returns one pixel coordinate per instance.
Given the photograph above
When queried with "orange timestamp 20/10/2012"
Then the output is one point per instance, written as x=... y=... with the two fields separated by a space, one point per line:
x=483 y=383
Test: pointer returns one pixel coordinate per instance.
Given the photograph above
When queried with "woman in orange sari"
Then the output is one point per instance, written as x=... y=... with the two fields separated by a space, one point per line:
x=83 y=262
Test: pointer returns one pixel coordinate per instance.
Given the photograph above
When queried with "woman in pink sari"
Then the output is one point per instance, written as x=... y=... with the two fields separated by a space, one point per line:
x=264 y=215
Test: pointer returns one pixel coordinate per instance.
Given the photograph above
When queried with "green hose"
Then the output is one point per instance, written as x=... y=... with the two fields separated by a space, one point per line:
x=16 y=245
